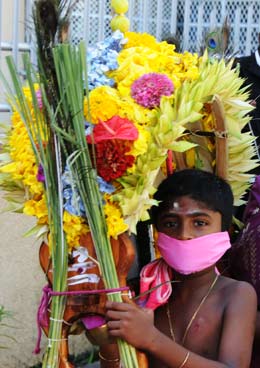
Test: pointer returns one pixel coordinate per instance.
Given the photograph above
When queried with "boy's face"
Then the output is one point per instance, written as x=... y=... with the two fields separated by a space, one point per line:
x=185 y=218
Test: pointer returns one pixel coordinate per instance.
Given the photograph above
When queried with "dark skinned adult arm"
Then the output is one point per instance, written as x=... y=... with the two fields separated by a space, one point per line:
x=135 y=325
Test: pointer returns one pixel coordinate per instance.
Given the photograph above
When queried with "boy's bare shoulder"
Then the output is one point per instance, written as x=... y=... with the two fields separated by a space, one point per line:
x=237 y=290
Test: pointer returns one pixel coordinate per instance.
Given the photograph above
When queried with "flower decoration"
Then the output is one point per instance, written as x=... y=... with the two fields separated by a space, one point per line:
x=149 y=88
x=114 y=128
x=113 y=159
x=103 y=104
x=40 y=174
x=143 y=98
x=103 y=58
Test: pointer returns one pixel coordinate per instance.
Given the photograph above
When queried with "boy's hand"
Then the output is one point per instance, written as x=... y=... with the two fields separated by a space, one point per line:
x=131 y=323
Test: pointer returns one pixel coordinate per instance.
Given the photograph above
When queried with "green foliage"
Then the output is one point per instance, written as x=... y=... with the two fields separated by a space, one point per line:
x=5 y=338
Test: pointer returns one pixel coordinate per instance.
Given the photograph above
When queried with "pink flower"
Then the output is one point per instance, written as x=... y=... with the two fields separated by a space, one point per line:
x=39 y=98
x=149 y=88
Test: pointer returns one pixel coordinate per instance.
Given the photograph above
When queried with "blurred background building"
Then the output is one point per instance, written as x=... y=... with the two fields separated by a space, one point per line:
x=188 y=20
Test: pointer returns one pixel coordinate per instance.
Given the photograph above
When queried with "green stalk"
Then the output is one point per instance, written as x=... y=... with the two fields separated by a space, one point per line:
x=46 y=149
x=70 y=66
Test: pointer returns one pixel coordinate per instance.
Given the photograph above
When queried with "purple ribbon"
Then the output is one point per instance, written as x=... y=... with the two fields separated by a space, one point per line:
x=42 y=313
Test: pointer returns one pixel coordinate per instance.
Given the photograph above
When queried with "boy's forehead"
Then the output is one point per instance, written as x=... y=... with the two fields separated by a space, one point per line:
x=183 y=203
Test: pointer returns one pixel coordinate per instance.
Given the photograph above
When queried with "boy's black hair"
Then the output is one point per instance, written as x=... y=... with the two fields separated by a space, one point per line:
x=199 y=185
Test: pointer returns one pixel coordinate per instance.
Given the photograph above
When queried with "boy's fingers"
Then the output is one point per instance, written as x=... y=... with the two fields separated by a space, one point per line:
x=117 y=306
x=115 y=315
x=113 y=325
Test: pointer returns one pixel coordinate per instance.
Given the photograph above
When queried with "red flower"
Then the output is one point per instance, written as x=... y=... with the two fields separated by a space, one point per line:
x=114 y=128
x=112 y=160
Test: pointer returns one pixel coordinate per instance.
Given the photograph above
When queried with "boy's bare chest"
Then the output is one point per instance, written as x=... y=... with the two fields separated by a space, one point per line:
x=198 y=329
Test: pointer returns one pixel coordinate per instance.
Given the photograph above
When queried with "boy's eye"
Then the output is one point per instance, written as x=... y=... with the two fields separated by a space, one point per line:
x=199 y=223
x=170 y=224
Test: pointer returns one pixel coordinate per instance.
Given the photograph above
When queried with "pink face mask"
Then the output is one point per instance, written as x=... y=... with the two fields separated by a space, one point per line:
x=189 y=256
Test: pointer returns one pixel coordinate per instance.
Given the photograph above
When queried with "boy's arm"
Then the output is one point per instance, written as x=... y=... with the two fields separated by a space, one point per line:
x=239 y=326
x=135 y=325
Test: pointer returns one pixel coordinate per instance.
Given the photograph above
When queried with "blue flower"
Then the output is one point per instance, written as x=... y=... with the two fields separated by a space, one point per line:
x=72 y=201
x=102 y=58
x=88 y=128
x=104 y=186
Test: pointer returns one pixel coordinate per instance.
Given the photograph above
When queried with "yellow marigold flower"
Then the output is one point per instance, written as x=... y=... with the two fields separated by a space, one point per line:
x=136 y=61
x=29 y=207
x=103 y=102
x=192 y=73
x=24 y=167
x=114 y=219
x=127 y=108
x=74 y=227
x=140 y=145
x=41 y=208
x=136 y=113
x=176 y=80
x=133 y=63
x=139 y=39
x=36 y=187
x=37 y=208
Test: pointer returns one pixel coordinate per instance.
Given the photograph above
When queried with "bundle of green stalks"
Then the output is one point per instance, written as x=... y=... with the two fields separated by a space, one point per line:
x=58 y=140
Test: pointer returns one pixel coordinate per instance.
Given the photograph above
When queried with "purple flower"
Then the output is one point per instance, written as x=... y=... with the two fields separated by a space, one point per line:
x=40 y=174
x=149 y=88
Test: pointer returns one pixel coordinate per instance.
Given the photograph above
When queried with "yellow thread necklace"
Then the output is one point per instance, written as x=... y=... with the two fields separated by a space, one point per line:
x=193 y=316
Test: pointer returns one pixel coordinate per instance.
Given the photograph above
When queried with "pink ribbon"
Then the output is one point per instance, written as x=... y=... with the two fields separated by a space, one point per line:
x=157 y=275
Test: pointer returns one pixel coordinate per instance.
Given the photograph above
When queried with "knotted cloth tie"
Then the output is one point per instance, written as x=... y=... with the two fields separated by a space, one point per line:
x=47 y=293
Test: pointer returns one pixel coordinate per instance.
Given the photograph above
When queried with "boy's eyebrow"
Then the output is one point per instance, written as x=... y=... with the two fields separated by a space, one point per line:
x=191 y=214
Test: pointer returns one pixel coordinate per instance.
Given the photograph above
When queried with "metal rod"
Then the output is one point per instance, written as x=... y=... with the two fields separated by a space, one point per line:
x=1 y=15
x=173 y=21
x=15 y=31
x=9 y=46
x=86 y=12
x=159 y=19
x=5 y=108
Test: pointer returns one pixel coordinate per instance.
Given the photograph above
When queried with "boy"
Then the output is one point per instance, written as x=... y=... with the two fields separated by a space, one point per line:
x=208 y=320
